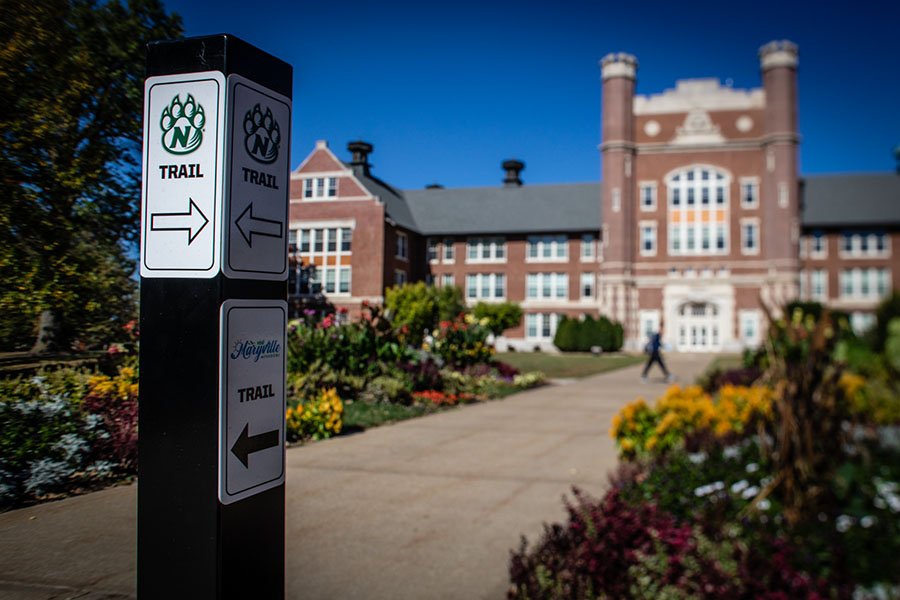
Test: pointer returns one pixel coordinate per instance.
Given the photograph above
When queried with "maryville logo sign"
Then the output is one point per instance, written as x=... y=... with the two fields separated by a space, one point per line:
x=182 y=125
x=262 y=135
x=248 y=349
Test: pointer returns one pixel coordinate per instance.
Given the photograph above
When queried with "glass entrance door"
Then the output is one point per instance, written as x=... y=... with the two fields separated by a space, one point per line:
x=698 y=327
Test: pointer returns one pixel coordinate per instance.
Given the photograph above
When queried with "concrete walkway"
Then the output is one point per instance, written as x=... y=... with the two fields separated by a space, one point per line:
x=426 y=508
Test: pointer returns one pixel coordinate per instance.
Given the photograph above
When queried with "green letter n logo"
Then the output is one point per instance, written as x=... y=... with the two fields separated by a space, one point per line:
x=182 y=126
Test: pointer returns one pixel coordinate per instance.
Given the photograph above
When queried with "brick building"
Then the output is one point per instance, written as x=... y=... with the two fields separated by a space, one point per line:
x=700 y=219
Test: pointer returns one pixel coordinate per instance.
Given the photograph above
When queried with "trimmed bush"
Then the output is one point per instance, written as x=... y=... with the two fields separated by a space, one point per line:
x=573 y=335
x=500 y=317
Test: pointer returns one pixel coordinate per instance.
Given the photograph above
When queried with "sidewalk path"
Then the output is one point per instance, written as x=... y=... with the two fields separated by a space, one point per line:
x=426 y=508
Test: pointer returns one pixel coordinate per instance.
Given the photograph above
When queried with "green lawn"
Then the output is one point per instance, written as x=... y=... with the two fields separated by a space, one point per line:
x=363 y=415
x=570 y=364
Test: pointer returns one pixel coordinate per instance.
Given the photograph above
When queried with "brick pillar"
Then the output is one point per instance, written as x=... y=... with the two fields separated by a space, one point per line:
x=618 y=152
x=780 y=200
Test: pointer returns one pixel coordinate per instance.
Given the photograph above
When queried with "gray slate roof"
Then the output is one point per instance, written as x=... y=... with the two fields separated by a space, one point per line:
x=508 y=210
x=395 y=206
x=851 y=200
x=856 y=200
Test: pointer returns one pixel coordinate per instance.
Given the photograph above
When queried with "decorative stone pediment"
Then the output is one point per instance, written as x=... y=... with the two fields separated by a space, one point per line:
x=698 y=128
x=708 y=94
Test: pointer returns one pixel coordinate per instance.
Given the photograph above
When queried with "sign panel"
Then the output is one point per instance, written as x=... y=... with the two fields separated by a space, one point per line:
x=183 y=157
x=258 y=181
x=251 y=397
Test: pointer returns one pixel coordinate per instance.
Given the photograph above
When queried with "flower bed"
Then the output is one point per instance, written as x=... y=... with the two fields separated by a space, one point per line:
x=784 y=490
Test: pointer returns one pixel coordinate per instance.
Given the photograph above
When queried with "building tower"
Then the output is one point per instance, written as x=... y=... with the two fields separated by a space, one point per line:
x=780 y=193
x=617 y=150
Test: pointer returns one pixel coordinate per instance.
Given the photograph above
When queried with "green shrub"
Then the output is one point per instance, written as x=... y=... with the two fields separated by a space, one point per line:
x=500 y=317
x=566 y=338
x=414 y=308
x=450 y=303
x=887 y=310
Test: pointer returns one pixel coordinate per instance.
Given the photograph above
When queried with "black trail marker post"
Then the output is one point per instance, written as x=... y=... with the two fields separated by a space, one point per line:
x=213 y=265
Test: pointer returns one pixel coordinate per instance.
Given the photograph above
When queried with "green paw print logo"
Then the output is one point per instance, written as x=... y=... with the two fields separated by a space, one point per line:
x=262 y=135
x=182 y=125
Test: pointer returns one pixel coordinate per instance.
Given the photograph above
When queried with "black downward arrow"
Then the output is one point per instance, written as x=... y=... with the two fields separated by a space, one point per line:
x=248 y=444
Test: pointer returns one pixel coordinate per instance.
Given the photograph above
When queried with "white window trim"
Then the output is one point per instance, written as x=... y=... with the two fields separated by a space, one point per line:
x=554 y=286
x=448 y=243
x=823 y=253
x=492 y=286
x=856 y=245
x=642 y=185
x=744 y=249
x=754 y=181
x=813 y=276
x=593 y=279
x=494 y=242
x=433 y=243
x=444 y=280
x=554 y=323
x=592 y=244
x=321 y=278
x=397 y=274
x=750 y=315
x=554 y=247
x=402 y=250
x=856 y=275
x=641 y=226
x=311 y=183
x=683 y=209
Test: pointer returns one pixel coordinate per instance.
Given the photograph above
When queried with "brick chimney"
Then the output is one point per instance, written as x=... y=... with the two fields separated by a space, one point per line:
x=360 y=156
x=513 y=167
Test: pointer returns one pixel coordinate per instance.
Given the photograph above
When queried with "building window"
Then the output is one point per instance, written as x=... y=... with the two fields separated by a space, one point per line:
x=541 y=326
x=447 y=280
x=449 y=254
x=588 y=243
x=749 y=192
x=546 y=285
x=819 y=285
x=402 y=245
x=750 y=236
x=486 y=286
x=616 y=199
x=864 y=284
x=315 y=247
x=400 y=277
x=861 y=244
x=432 y=251
x=697 y=211
x=587 y=285
x=548 y=248
x=320 y=187
x=486 y=250
x=749 y=324
x=648 y=238
x=861 y=322
x=647 y=191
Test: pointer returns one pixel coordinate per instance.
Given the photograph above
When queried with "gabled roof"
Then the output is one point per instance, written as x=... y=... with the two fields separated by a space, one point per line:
x=851 y=200
x=509 y=209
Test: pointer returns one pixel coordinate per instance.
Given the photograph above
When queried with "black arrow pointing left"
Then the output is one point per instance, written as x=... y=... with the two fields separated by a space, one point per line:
x=249 y=226
x=248 y=444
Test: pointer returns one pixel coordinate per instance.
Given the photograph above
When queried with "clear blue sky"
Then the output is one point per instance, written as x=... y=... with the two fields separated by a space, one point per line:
x=447 y=90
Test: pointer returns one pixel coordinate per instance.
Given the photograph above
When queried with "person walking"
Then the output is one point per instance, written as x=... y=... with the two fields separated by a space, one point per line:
x=653 y=347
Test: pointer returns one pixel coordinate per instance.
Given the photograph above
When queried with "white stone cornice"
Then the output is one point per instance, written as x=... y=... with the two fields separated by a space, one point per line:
x=778 y=54
x=619 y=64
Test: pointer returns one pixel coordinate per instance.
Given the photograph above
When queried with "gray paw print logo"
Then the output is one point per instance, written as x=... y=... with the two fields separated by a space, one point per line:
x=262 y=135
x=182 y=125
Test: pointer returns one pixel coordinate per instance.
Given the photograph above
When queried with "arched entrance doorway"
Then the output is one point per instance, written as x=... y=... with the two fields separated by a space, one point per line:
x=698 y=327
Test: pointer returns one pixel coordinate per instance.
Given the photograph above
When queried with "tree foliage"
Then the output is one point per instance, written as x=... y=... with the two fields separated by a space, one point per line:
x=71 y=101
x=501 y=317
x=419 y=308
